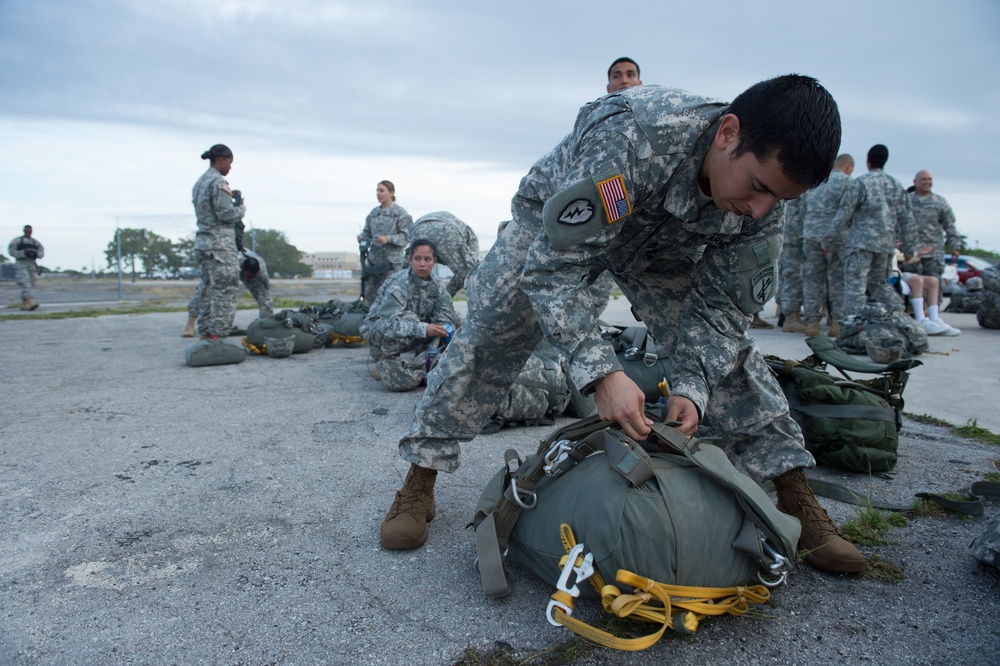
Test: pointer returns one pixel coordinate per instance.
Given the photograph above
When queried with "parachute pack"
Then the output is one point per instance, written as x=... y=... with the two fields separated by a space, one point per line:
x=670 y=515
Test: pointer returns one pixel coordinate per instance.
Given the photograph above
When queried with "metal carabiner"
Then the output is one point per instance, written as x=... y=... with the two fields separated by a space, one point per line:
x=517 y=496
x=779 y=565
x=557 y=454
x=583 y=571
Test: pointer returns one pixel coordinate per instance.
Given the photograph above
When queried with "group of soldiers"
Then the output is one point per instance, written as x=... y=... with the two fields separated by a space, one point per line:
x=840 y=242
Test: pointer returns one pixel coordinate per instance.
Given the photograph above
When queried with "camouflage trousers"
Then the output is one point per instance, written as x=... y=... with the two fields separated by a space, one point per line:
x=501 y=330
x=25 y=271
x=371 y=284
x=932 y=266
x=866 y=271
x=198 y=306
x=600 y=291
x=822 y=280
x=790 y=277
x=220 y=285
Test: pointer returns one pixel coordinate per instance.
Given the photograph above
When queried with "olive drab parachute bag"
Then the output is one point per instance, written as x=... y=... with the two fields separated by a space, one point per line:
x=539 y=393
x=343 y=319
x=213 y=352
x=678 y=514
x=643 y=359
x=286 y=324
x=850 y=424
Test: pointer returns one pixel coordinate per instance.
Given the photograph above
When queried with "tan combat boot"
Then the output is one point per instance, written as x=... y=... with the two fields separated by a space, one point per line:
x=24 y=304
x=793 y=323
x=29 y=304
x=189 y=329
x=405 y=526
x=757 y=322
x=834 y=331
x=812 y=328
x=825 y=547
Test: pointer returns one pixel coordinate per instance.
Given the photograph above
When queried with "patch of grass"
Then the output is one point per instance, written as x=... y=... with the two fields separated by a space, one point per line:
x=869 y=526
x=78 y=314
x=931 y=509
x=883 y=570
x=927 y=418
x=971 y=430
x=992 y=476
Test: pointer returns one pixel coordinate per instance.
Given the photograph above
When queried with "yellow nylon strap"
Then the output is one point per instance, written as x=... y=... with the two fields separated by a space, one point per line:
x=254 y=349
x=346 y=339
x=680 y=607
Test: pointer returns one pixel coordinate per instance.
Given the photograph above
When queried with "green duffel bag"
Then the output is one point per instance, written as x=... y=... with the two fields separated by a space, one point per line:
x=285 y=324
x=680 y=515
x=213 y=352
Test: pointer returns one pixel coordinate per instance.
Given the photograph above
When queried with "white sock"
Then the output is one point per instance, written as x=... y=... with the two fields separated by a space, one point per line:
x=918 y=308
x=934 y=312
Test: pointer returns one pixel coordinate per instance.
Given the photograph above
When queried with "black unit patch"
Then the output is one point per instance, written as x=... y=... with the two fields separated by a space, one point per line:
x=763 y=285
x=576 y=212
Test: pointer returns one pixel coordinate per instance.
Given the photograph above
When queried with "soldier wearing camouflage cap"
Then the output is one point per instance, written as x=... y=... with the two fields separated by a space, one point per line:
x=679 y=197
x=26 y=250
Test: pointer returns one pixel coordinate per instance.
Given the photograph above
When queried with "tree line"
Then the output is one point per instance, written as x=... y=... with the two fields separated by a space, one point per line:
x=146 y=253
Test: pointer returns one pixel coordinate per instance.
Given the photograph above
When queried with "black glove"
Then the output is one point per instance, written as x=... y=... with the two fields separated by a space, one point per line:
x=31 y=254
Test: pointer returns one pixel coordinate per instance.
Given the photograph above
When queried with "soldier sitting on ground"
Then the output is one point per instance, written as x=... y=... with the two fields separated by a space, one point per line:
x=409 y=317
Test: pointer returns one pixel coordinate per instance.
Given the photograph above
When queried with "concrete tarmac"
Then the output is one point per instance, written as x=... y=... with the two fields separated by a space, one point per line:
x=159 y=514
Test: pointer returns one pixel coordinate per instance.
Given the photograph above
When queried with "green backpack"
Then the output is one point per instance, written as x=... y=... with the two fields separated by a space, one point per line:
x=288 y=323
x=848 y=423
x=643 y=359
x=679 y=514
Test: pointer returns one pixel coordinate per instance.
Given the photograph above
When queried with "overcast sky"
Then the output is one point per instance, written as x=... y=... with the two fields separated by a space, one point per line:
x=106 y=106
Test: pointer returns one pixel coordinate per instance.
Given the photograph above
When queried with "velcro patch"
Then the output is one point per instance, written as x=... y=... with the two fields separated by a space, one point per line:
x=614 y=197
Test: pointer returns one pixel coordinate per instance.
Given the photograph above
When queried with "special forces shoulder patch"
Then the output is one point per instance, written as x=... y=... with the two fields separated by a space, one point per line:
x=576 y=212
x=763 y=285
x=614 y=197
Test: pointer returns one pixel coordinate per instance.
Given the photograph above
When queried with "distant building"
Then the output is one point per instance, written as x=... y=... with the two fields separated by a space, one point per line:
x=326 y=265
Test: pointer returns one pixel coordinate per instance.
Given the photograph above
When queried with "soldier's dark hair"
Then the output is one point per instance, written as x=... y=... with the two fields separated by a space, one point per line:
x=793 y=118
x=216 y=151
x=389 y=186
x=423 y=241
x=624 y=59
x=878 y=155
x=251 y=265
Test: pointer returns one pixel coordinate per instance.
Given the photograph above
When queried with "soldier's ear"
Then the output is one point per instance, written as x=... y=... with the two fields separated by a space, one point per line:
x=728 y=133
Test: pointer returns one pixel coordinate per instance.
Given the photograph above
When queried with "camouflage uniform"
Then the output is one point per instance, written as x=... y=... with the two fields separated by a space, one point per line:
x=396 y=325
x=968 y=298
x=456 y=243
x=215 y=244
x=790 y=261
x=259 y=287
x=988 y=314
x=822 y=272
x=935 y=227
x=693 y=273
x=872 y=209
x=394 y=223
x=25 y=268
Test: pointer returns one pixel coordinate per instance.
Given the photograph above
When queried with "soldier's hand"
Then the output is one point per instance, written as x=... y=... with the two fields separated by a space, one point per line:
x=436 y=331
x=382 y=240
x=682 y=409
x=619 y=399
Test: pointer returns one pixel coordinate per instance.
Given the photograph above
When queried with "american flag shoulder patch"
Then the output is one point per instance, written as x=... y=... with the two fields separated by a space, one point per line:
x=615 y=198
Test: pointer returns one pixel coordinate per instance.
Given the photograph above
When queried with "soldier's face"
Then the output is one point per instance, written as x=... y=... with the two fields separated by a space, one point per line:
x=223 y=164
x=27 y=232
x=924 y=182
x=422 y=261
x=383 y=194
x=743 y=185
x=623 y=75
